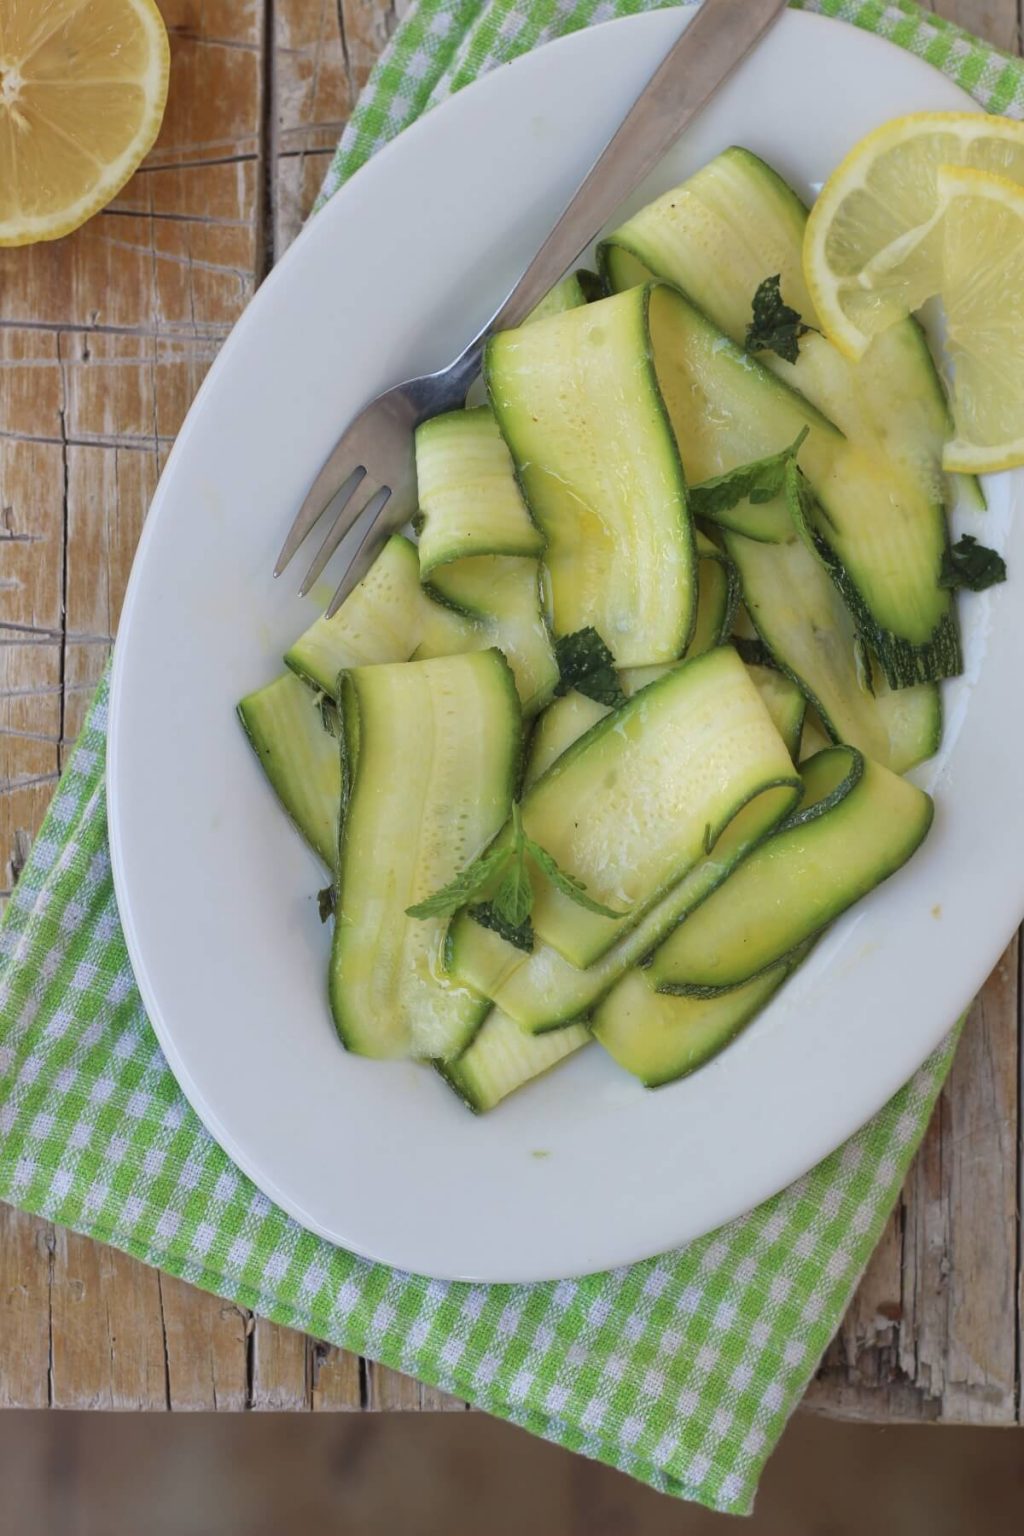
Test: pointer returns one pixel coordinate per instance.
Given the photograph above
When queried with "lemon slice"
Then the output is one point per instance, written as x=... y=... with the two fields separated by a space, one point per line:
x=82 y=90
x=869 y=255
x=982 y=254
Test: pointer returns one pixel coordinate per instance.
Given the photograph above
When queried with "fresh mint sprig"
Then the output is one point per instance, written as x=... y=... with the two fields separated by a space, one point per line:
x=759 y=481
x=498 y=890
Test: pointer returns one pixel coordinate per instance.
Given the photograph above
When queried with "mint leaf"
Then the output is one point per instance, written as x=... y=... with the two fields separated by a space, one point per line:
x=513 y=900
x=586 y=664
x=460 y=891
x=520 y=935
x=327 y=902
x=759 y=481
x=567 y=884
x=775 y=327
x=971 y=565
x=508 y=910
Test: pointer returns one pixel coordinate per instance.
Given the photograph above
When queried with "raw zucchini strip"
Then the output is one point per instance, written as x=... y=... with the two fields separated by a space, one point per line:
x=431 y=756
x=857 y=824
x=470 y=503
x=718 y=594
x=661 y=1038
x=300 y=758
x=562 y=723
x=499 y=600
x=737 y=222
x=779 y=694
x=568 y=294
x=768 y=522
x=542 y=991
x=578 y=403
x=502 y=1057
x=565 y=721
x=803 y=622
x=783 y=701
x=813 y=737
x=884 y=541
x=380 y=621
x=633 y=805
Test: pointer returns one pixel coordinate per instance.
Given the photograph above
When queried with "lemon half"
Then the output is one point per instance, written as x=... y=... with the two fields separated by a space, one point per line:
x=869 y=258
x=83 y=84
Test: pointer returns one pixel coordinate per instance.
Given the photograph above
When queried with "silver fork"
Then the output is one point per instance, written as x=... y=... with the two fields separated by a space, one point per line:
x=374 y=454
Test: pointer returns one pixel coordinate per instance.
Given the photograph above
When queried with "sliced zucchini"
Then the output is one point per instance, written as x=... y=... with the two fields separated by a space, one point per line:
x=779 y=694
x=578 y=403
x=737 y=222
x=299 y=756
x=431 y=757
x=814 y=738
x=635 y=678
x=470 y=503
x=448 y=631
x=783 y=701
x=968 y=490
x=500 y=597
x=718 y=593
x=380 y=621
x=857 y=824
x=661 y=1038
x=633 y=805
x=883 y=539
x=568 y=718
x=768 y=522
x=502 y=1057
x=562 y=723
x=805 y=625
x=568 y=294
x=542 y=991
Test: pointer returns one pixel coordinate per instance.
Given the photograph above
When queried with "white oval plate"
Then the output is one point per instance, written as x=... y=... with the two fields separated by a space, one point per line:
x=584 y=1169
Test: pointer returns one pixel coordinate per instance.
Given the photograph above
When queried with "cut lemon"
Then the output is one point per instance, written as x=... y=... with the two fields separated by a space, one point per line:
x=981 y=240
x=83 y=85
x=869 y=253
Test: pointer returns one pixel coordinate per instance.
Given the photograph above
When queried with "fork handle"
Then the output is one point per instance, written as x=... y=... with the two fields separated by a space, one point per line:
x=717 y=39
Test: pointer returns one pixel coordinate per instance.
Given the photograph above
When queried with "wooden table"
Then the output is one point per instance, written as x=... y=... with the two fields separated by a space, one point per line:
x=104 y=339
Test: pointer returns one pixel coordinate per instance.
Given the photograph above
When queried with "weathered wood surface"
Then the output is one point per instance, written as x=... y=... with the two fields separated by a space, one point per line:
x=104 y=339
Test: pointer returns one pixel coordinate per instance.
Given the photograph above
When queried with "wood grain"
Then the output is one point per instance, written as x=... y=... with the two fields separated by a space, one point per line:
x=931 y=1333
x=26 y=1248
x=205 y=1348
x=104 y=339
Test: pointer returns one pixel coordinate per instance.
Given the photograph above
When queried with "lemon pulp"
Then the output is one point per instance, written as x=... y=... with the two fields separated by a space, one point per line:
x=83 y=85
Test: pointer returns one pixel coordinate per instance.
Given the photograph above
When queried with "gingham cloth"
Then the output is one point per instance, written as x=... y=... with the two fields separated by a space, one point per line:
x=681 y=1370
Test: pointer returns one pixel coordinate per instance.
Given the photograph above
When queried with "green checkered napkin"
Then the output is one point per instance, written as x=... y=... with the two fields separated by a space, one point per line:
x=681 y=1370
